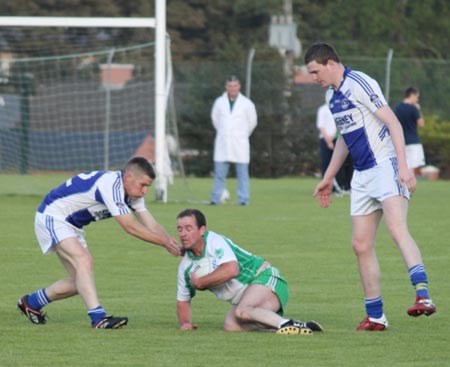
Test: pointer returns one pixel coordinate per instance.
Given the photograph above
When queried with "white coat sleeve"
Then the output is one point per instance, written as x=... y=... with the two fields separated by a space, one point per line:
x=215 y=113
x=251 y=118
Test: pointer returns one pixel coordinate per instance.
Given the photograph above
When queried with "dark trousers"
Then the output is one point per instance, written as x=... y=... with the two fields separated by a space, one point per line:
x=325 y=155
x=344 y=176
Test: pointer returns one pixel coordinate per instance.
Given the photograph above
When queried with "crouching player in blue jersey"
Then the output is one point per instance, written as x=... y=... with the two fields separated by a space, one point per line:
x=255 y=288
x=382 y=182
x=59 y=224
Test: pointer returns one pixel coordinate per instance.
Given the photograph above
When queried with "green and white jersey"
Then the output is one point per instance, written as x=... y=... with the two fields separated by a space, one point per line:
x=219 y=249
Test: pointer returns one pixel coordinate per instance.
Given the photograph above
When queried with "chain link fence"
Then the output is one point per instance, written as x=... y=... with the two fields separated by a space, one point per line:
x=285 y=141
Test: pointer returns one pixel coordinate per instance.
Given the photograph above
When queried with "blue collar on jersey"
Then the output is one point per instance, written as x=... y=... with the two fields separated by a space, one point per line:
x=347 y=70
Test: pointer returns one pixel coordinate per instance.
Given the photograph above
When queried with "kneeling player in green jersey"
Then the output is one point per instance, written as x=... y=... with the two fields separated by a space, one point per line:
x=255 y=288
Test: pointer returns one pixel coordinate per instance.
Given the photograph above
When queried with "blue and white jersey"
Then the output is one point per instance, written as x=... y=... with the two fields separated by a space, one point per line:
x=89 y=197
x=353 y=105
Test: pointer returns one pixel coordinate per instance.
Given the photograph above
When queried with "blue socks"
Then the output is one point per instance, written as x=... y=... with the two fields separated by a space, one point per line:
x=419 y=280
x=374 y=307
x=38 y=299
x=96 y=314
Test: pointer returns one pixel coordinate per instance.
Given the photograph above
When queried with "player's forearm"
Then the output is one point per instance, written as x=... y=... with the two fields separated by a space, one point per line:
x=337 y=159
x=160 y=235
x=386 y=115
x=145 y=234
x=184 y=313
x=398 y=140
x=399 y=145
x=139 y=230
x=221 y=275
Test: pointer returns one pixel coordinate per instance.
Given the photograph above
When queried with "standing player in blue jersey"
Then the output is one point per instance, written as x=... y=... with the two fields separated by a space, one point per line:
x=59 y=223
x=382 y=182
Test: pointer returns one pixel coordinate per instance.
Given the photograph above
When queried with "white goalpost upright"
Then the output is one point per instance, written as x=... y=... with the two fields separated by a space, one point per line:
x=160 y=99
x=161 y=77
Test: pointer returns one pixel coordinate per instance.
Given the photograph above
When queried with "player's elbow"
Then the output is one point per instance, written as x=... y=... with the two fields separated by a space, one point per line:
x=234 y=270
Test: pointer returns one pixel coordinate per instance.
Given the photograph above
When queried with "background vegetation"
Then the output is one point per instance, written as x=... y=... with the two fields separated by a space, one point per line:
x=223 y=29
x=212 y=38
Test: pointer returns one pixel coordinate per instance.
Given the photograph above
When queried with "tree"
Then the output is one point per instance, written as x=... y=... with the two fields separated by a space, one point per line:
x=211 y=39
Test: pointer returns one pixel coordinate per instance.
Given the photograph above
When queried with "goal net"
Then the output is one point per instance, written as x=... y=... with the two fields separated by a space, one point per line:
x=75 y=99
x=72 y=112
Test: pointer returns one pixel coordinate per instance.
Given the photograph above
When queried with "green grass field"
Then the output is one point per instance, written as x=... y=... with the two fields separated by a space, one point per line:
x=284 y=224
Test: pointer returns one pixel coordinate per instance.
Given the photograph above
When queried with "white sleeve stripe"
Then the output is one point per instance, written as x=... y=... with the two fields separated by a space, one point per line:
x=116 y=193
x=116 y=190
x=366 y=87
x=362 y=82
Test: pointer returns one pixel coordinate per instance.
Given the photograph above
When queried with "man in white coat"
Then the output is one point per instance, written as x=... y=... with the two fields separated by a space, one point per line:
x=234 y=118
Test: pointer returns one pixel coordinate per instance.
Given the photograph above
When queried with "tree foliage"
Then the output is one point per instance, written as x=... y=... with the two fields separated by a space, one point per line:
x=412 y=28
x=211 y=39
x=205 y=29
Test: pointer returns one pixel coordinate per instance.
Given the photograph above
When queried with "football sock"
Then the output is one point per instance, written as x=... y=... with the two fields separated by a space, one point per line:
x=38 y=299
x=374 y=307
x=96 y=314
x=419 y=280
x=283 y=322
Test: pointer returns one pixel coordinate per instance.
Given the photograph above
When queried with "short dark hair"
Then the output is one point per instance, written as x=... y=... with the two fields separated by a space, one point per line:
x=233 y=78
x=197 y=214
x=140 y=165
x=321 y=53
x=411 y=90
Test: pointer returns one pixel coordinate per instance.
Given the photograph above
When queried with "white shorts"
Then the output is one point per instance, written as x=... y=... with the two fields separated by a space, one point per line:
x=372 y=186
x=415 y=157
x=50 y=231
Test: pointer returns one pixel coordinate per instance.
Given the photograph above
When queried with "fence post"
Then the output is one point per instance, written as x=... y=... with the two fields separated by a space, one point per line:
x=25 y=122
x=387 y=86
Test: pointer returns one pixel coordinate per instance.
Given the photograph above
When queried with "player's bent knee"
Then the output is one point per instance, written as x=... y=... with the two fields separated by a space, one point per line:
x=243 y=313
x=231 y=324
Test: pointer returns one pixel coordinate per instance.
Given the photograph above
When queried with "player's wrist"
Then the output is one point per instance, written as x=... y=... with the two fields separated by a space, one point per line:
x=188 y=326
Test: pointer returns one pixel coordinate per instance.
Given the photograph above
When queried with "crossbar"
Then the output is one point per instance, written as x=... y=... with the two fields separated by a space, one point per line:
x=93 y=22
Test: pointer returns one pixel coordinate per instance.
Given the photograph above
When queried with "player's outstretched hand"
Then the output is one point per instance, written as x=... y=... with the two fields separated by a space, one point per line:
x=323 y=193
x=173 y=247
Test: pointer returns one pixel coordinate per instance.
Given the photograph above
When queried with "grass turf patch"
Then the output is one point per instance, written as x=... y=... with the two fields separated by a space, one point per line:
x=284 y=224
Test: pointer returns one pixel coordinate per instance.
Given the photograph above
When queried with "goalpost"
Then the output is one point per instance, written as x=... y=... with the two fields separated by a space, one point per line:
x=161 y=73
